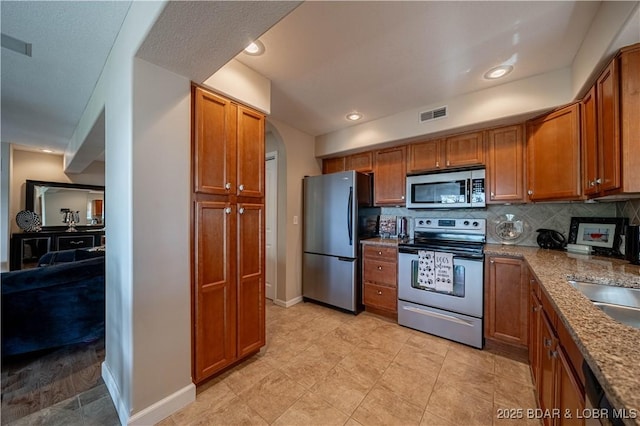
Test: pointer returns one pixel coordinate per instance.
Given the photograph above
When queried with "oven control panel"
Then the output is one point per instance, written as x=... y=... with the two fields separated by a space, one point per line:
x=440 y=224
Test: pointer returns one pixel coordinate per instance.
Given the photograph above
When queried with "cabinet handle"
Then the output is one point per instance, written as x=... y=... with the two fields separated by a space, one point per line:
x=492 y=261
x=547 y=343
x=598 y=181
x=448 y=163
x=379 y=268
x=437 y=164
x=402 y=198
x=227 y=186
x=530 y=192
x=592 y=183
x=227 y=210
x=379 y=293
x=536 y=308
x=493 y=195
x=241 y=187
x=241 y=210
x=379 y=253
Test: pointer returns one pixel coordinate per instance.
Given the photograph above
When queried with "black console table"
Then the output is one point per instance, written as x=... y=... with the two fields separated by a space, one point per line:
x=28 y=247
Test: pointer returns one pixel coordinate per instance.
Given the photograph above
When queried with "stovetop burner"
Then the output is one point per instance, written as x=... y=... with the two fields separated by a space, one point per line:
x=463 y=236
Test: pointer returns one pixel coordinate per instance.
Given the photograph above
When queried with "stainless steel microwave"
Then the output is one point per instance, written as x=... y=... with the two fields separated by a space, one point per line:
x=447 y=190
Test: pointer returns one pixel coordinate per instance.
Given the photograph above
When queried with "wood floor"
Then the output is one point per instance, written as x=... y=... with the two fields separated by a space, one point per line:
x=63 y=383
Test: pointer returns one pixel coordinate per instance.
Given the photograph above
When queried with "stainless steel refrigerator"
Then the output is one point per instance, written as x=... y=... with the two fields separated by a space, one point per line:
x=330 y=260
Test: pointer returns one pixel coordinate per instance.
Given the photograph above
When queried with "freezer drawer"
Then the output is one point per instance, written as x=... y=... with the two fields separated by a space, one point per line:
x=330 y=280
x=452 y=326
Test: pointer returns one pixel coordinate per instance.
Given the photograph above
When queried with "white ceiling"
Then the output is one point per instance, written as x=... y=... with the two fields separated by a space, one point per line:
x=43 y=96
x=325 y=59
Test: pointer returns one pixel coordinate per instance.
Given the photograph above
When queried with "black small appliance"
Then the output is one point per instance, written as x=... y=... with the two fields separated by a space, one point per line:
x=550 y=239
x=632 y=244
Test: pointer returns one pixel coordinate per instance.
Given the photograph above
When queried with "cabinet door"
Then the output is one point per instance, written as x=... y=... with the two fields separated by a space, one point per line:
x=629 y=113
x=424 y=156
x=390 y=177
x=334 y=165
x=214 y=292
x=464 y=150
x=251 y=298
x=546 y=377
x=362 y=162
x=214 y=143
x=609 y=128
x=590 y=168
x=535 y=310
x=568 y=390
x=505 y=165
x=250 y=166
x=506 y=301
x=553 y=153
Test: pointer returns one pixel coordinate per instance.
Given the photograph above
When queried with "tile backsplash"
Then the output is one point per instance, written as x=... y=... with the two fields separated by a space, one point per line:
x=630 y=209
x=556 y=216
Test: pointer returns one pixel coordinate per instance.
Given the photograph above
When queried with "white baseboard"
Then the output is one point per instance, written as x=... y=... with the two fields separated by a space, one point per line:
x=288 y=303
x=154 y=413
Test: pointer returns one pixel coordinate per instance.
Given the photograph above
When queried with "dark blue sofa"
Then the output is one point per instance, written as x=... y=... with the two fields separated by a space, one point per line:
x=53 y=305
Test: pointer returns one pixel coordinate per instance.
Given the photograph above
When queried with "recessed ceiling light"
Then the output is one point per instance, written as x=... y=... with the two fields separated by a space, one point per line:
x=354 y=116
x=498 y=72
x=48 y=151
x=256 y=48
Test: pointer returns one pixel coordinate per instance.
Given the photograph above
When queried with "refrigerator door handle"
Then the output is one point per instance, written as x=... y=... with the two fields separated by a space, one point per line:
x=346 y=259
x=349 y=214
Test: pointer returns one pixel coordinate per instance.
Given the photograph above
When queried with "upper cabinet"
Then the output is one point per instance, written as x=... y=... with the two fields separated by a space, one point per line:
x=553 y=154
x=334 y=165
x=462 y=150
x=505 y=165
x=228 y=147
x=611 y=152
x=362 y=162
x=390 y=177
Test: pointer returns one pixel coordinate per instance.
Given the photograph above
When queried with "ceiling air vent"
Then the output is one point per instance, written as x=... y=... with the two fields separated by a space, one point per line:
x=433 y=114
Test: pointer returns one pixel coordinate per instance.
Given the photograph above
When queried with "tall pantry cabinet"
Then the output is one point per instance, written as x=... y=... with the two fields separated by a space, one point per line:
x=228 y=242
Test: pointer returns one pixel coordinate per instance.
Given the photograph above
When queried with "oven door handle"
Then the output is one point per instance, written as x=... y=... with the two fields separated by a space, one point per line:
x=472 y=257
x=438 y=315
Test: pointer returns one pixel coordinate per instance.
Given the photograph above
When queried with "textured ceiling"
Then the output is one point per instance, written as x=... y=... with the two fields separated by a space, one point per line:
x=43 y=96
x=326 y=59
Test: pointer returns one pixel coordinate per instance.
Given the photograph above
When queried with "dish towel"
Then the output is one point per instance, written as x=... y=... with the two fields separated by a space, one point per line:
x=443 y=263
x=426 y=271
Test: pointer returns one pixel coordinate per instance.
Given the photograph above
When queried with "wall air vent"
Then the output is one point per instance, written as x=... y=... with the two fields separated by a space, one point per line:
x=433 y=114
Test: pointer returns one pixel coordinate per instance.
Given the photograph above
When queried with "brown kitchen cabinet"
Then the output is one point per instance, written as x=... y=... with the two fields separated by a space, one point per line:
x=463 y=150
x=227 y=233
x=590 y=166
x=505 y=165
x=334 y=165
x=553 y=155
x=506 y=301
x=379 y=278
x=361 y=162
x=389 y=182
x=555 y=361
x=613 y=161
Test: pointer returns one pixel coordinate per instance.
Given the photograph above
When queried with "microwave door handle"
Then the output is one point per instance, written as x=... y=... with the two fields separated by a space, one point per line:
x=468 y=191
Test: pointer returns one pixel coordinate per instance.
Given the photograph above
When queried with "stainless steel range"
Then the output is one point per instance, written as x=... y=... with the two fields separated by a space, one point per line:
x=441 y=279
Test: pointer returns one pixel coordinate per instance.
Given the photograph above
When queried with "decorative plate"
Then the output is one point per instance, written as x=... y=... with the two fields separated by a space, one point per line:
x=508 y=229
x=28 y=220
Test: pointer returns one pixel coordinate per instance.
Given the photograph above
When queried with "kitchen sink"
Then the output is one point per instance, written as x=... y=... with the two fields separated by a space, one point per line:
x=620 y=303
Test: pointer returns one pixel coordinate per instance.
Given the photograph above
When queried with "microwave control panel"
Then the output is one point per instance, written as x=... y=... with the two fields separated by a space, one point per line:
x=477 y=190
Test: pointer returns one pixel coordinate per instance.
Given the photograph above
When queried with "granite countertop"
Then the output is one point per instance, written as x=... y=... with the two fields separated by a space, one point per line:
x=393 y=242
x=611 y=348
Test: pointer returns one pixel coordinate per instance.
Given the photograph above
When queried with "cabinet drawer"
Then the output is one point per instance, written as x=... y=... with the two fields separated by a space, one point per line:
x=389 y=254
x=381 y=272
x=381 y=297
x=74 y=242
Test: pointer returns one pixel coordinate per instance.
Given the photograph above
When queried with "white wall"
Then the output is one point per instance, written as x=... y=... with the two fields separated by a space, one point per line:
x=498 y=103
x=300 y=161
x=243 y=84
x=5 y=194
x=161 y=235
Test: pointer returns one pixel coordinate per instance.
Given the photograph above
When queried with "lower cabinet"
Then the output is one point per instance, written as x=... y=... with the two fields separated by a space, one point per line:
x=506 y=299
x=555 y=362
x=379 y=278
x=228 y=291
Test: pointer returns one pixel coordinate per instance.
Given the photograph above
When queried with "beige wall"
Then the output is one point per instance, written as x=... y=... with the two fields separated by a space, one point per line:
x=29 y=165
x=300 y=161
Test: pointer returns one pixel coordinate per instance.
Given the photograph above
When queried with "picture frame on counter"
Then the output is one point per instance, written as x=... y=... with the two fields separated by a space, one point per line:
x=602 y=234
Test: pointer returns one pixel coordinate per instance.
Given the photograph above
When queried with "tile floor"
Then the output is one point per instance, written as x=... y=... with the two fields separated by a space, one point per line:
x=324 y=367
